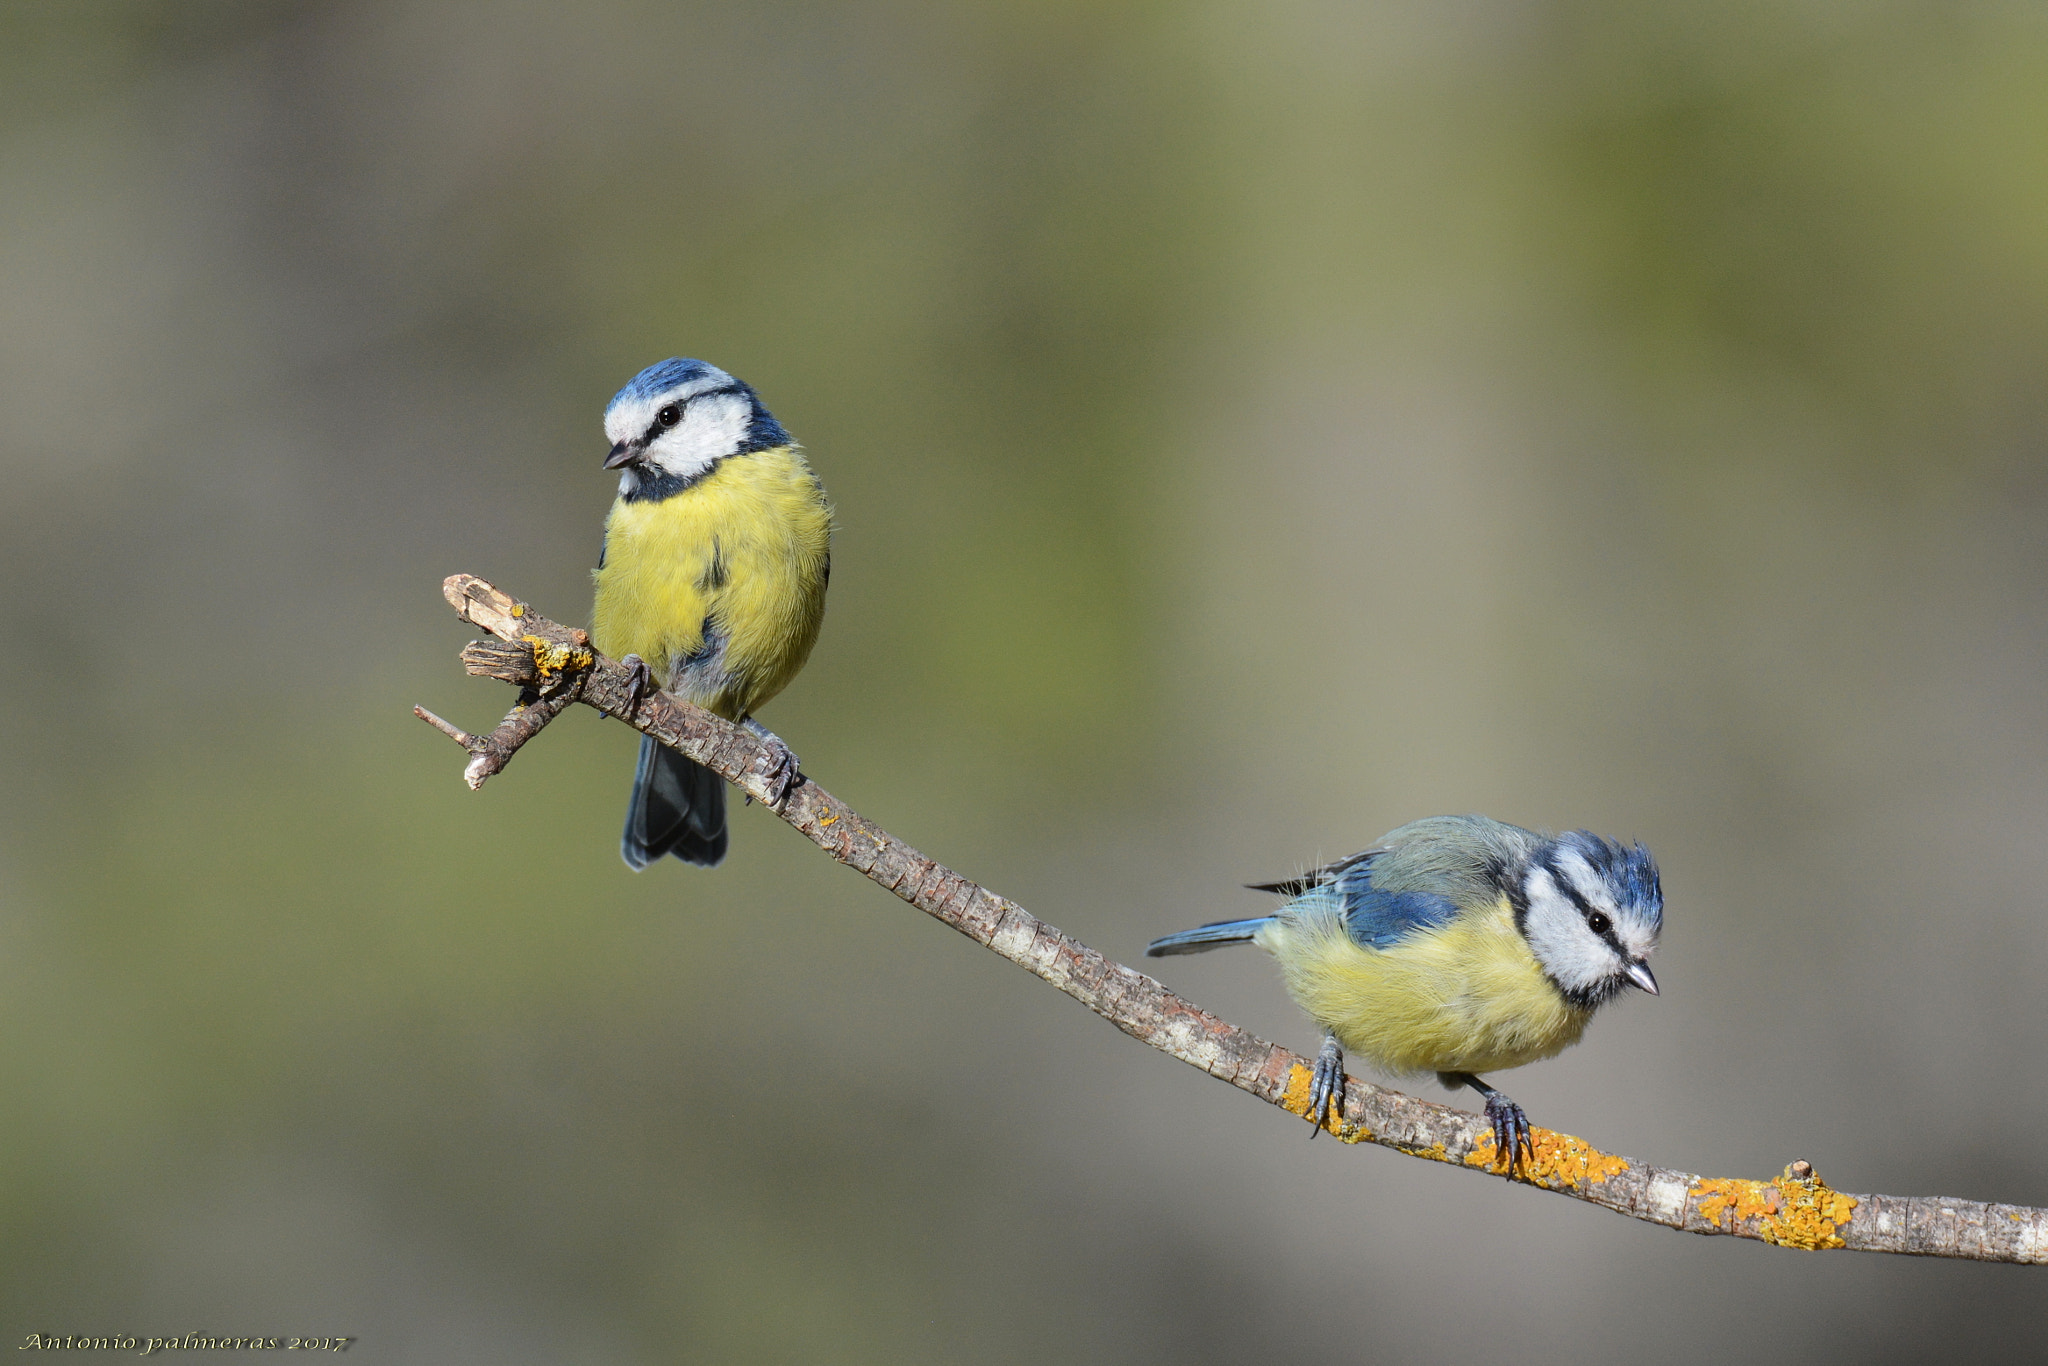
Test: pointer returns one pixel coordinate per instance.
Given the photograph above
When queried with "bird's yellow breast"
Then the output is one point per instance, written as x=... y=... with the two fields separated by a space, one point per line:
x=738 y=558
x=1465 y=997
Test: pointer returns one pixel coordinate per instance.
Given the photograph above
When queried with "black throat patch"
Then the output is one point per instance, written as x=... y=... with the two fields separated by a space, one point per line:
x=651 y=485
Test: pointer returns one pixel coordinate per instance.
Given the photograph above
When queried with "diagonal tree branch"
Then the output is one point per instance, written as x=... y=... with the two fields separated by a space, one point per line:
x=555 y=666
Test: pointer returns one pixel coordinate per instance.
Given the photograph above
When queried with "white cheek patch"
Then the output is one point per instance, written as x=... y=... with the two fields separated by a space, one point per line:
x=712 y=428
x=1575 y=957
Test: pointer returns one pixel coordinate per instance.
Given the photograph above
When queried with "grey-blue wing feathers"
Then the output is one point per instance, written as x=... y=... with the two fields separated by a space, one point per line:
x=1373 y=915
x=678 y=807
x=1415 y=880
x=1380 y=918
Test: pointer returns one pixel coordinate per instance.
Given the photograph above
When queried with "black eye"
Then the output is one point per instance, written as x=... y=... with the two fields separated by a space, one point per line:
x=1598 y=923
x=669 y=416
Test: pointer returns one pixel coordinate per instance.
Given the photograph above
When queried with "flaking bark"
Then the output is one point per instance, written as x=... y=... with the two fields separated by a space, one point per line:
x=555 y=667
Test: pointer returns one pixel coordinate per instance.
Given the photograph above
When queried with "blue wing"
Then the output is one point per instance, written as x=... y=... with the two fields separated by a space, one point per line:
x=1379 y=918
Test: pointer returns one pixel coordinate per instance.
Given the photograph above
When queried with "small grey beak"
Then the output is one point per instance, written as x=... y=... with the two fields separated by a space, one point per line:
x=622 y=454
x=1640 y=975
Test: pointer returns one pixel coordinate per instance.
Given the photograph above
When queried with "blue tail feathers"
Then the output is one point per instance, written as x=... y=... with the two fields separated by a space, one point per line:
x=1206 y=937
x=678 y=807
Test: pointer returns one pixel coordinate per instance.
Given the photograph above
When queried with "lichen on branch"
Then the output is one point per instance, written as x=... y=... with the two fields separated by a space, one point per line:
x=555 y=668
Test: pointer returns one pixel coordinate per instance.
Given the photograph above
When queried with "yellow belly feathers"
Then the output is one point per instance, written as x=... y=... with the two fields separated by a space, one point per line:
x=1467 y=997
x=742 y=551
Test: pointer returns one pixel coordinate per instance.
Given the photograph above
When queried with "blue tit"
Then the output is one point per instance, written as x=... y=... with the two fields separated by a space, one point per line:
x=712 y=581
x=1457 y=945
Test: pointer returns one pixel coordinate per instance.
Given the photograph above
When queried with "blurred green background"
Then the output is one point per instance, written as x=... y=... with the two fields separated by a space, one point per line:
x=1252 y=427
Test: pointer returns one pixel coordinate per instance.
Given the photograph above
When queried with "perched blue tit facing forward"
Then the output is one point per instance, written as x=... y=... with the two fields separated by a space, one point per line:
x=1458 y=945
x=712 y=580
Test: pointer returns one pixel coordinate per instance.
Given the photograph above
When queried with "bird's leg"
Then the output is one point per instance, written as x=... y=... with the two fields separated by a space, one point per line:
x=1328 y=1086
x=1511 y=1137
x=639 y=684
x=781 y=761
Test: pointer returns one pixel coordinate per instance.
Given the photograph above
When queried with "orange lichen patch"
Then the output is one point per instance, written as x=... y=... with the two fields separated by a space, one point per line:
x=550 y=659
x=1485 y=1153
x=1560 y=1160
x=1787 y=1212
x=1734 y=1197
x=1300 y=1081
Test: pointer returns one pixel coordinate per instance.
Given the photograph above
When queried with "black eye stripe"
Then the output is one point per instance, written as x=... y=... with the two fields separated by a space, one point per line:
x=682 y=408
x=1568 y=887
x=1578 y=899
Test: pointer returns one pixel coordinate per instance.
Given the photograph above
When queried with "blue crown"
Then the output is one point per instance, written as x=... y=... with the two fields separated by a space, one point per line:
x=662 y=376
